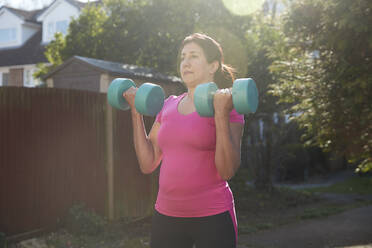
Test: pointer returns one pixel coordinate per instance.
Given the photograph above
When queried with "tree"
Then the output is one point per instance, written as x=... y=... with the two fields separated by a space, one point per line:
x=323 y=64
x=149 y=32
x=262 y=34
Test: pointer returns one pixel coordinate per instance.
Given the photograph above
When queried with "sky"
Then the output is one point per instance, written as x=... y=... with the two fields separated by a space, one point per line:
x=28 y=4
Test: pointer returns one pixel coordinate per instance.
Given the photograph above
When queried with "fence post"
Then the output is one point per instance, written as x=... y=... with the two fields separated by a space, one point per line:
x=110 y=160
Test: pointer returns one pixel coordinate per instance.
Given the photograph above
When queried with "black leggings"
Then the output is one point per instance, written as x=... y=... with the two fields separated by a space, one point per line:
x=216 y=231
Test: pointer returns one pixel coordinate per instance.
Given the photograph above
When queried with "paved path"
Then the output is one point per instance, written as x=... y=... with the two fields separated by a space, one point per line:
x=321 y=181
x=353 y=227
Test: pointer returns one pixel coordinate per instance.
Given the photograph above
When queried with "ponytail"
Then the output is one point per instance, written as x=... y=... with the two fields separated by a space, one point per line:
x=224 y=76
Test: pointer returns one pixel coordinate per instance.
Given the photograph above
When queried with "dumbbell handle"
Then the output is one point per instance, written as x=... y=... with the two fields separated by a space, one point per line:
x=130 y=95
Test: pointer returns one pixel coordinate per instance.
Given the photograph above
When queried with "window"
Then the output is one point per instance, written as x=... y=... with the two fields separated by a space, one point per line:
x=5 y=78
x=62 y=26
x=8 y=35
x=50 y=30
x=27 y=78
x=54 y=27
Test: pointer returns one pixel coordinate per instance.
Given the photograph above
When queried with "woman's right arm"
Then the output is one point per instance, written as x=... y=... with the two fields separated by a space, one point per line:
x=148 y=152
x=146 y=146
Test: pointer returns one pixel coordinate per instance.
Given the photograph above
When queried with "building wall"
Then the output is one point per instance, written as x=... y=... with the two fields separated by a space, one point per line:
x=16 y=77
x=105 y=81
x=170 y=88
x=77 y=75
x=9 y=20
x=28 y=31
x=59 y=11
x=28 y=79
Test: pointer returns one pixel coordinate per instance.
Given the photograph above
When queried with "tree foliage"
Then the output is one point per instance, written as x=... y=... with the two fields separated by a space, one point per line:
x=53 y=55
x=323 y=63
x=149 y=32
x=86 y=34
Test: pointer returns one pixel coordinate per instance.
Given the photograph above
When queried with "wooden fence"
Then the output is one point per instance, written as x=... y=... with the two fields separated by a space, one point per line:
x=55 y=152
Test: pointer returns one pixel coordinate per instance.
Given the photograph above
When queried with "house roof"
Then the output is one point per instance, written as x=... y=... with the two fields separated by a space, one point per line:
x=117 y=69
x=75 y=3
x=32 y=52
x=27 y=16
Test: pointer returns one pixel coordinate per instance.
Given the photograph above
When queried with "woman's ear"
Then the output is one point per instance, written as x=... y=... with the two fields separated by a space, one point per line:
x=214 y=67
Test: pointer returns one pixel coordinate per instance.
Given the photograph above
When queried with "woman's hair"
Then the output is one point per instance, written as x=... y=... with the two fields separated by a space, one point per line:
x=224 y=76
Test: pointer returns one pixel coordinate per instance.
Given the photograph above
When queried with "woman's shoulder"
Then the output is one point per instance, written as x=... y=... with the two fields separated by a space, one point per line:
x=174 y=98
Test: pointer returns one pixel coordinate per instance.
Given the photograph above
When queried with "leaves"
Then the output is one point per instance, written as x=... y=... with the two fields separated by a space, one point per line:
x=149 y=32
x=332 y=88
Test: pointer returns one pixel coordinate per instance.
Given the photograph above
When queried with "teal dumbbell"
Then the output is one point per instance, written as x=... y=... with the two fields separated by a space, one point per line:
x=149 y=98
x=244 y=96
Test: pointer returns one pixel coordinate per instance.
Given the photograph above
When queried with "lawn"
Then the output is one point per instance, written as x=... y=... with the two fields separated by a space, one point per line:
x=354 y=185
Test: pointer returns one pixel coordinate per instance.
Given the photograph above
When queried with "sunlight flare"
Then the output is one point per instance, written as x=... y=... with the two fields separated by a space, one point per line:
x=243 y=7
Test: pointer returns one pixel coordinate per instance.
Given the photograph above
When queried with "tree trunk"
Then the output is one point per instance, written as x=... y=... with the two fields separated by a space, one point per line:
x=259 y=152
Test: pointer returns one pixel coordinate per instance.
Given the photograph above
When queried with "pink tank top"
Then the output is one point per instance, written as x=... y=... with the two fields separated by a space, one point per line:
x=189 y=184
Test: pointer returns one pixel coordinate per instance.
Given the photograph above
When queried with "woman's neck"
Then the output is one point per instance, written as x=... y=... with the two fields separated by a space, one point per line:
x=190 y=94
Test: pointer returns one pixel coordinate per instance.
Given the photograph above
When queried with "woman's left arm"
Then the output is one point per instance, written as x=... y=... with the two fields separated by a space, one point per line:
x=228 y=136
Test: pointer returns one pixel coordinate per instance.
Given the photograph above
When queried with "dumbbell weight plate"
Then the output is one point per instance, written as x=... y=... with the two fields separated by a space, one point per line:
x=149 y=99
x=203 y=99
x=245 y=95
x=116 y=90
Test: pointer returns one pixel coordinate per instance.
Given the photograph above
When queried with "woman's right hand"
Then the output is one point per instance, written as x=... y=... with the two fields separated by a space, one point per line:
x=130 y=95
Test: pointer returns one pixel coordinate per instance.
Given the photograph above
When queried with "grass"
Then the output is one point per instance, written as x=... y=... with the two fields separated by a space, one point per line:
x=325 y=211
x=353 y=185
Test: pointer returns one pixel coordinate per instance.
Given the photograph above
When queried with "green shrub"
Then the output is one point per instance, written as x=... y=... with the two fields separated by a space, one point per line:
x=83 y=221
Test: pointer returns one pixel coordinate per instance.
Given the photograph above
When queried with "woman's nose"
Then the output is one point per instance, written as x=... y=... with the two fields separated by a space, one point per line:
x=185 y=62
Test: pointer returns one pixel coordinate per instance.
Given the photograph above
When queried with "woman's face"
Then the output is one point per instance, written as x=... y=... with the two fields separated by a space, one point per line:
x=194 y=66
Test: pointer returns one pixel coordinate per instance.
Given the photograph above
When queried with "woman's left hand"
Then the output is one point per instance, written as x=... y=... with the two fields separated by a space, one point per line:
x=222 y=102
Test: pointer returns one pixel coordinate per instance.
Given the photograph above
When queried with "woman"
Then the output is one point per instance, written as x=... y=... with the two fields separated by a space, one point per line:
x=194 y=204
